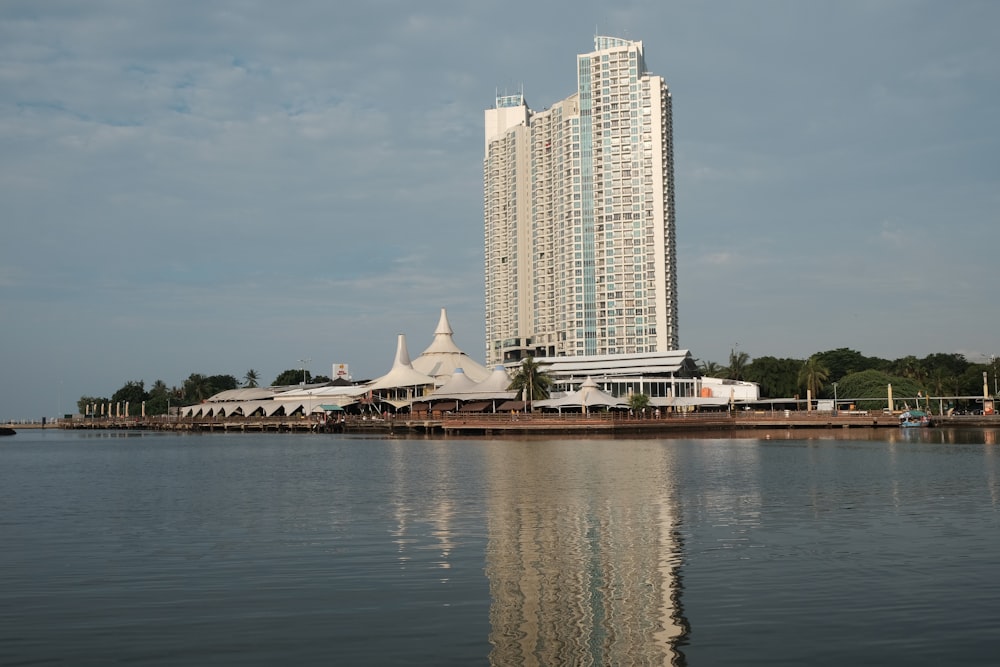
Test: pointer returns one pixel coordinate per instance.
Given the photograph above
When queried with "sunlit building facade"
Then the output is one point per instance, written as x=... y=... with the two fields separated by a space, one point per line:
x=579 y=233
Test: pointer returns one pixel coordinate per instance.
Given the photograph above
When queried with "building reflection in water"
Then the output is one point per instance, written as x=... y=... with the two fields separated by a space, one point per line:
x=424 y=522
x=584 y=554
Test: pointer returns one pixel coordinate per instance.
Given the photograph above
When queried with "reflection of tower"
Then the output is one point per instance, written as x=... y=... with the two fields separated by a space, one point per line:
x=583 y=562
x=432 y=516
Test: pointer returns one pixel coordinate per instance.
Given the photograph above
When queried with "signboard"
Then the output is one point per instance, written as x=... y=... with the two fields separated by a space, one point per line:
x=340 y=372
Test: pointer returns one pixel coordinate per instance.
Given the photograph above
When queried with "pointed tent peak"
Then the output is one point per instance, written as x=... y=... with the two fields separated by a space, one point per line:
x=443 y=356
x=444 y=327
x=402 y=374
x=443 y=341
x=589 y=382
x=402 y=355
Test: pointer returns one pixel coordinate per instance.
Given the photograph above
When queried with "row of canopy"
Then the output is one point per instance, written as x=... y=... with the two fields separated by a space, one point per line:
x=441 y=373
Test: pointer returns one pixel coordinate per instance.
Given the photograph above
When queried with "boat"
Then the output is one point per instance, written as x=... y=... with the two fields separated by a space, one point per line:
x=914 y=419
x=7 y=431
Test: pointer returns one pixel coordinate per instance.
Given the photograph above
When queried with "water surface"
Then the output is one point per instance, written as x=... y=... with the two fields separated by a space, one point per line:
x=871 y=547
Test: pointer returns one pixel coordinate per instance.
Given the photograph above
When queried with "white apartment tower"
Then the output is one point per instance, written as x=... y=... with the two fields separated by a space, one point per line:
x=579 y=216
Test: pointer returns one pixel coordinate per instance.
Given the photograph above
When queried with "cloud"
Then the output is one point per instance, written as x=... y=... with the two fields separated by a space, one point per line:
x=243 y=184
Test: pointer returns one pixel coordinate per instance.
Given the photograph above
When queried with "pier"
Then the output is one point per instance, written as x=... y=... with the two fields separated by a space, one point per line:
x=463 y=424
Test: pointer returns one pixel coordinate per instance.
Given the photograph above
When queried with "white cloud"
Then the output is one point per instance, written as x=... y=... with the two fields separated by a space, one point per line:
x=244 y=184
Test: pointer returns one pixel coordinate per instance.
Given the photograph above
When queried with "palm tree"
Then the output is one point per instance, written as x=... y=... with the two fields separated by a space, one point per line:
x=711 y=369
x=812 y=375
x=738 y=361
x=250 y=379
x=531 y=380
x=638 y=402
x=909 y=367
x=197 y=388
x=938 y=379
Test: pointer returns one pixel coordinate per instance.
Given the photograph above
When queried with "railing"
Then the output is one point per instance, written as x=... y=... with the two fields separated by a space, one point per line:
x=520 y=420
x=506 y=418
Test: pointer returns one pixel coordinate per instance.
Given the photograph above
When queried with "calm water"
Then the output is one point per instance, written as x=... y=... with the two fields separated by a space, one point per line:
x=878 y=548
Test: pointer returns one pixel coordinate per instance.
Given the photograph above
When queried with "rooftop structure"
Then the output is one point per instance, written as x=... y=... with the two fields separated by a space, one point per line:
x=442 y=357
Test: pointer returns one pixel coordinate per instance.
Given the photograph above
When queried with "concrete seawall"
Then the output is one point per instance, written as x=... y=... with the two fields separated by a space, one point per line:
x=495 y=424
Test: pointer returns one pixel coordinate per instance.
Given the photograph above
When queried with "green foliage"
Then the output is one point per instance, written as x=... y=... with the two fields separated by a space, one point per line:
x=530 y=376
x=947 y=364
x=198 y=387
x=870 y=389
x=970 y=383
x=133 y=393
x=844 y=361
x=251 y=379
x=738 y=362
x=909 y=367
x=86 y=403
x=813 y=376
x=161 y=398
x=291 y=376
x=638 y=402
x=711 y=369
x=777 y=378
x=222 y=383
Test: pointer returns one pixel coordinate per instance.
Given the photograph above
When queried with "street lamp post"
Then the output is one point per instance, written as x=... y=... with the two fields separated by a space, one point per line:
x=993 y=361
x=304 y=362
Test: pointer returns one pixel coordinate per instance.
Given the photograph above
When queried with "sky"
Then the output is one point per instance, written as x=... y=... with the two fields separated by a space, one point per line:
x=217 y=186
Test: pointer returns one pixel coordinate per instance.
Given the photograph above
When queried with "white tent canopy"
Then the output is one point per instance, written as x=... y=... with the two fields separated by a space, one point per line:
x=589 y=395
x=462 y=388
x=344 y=395
x=456 y=386
x=441 y=365
x=441 y=359
x=498 y=381
x=402 y=374
x=246 y=394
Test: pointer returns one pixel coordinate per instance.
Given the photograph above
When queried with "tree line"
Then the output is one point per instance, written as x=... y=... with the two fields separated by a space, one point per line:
x=849 y=374
x=159 y=398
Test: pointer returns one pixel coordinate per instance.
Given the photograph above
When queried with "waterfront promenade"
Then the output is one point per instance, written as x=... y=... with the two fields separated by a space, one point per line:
x=524 y=423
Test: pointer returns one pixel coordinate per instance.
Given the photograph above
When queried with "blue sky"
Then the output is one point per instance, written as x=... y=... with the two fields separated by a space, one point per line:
x=210 y=187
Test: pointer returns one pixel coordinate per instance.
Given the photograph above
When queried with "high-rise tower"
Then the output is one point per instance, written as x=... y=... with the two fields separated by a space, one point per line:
x=580 y=249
